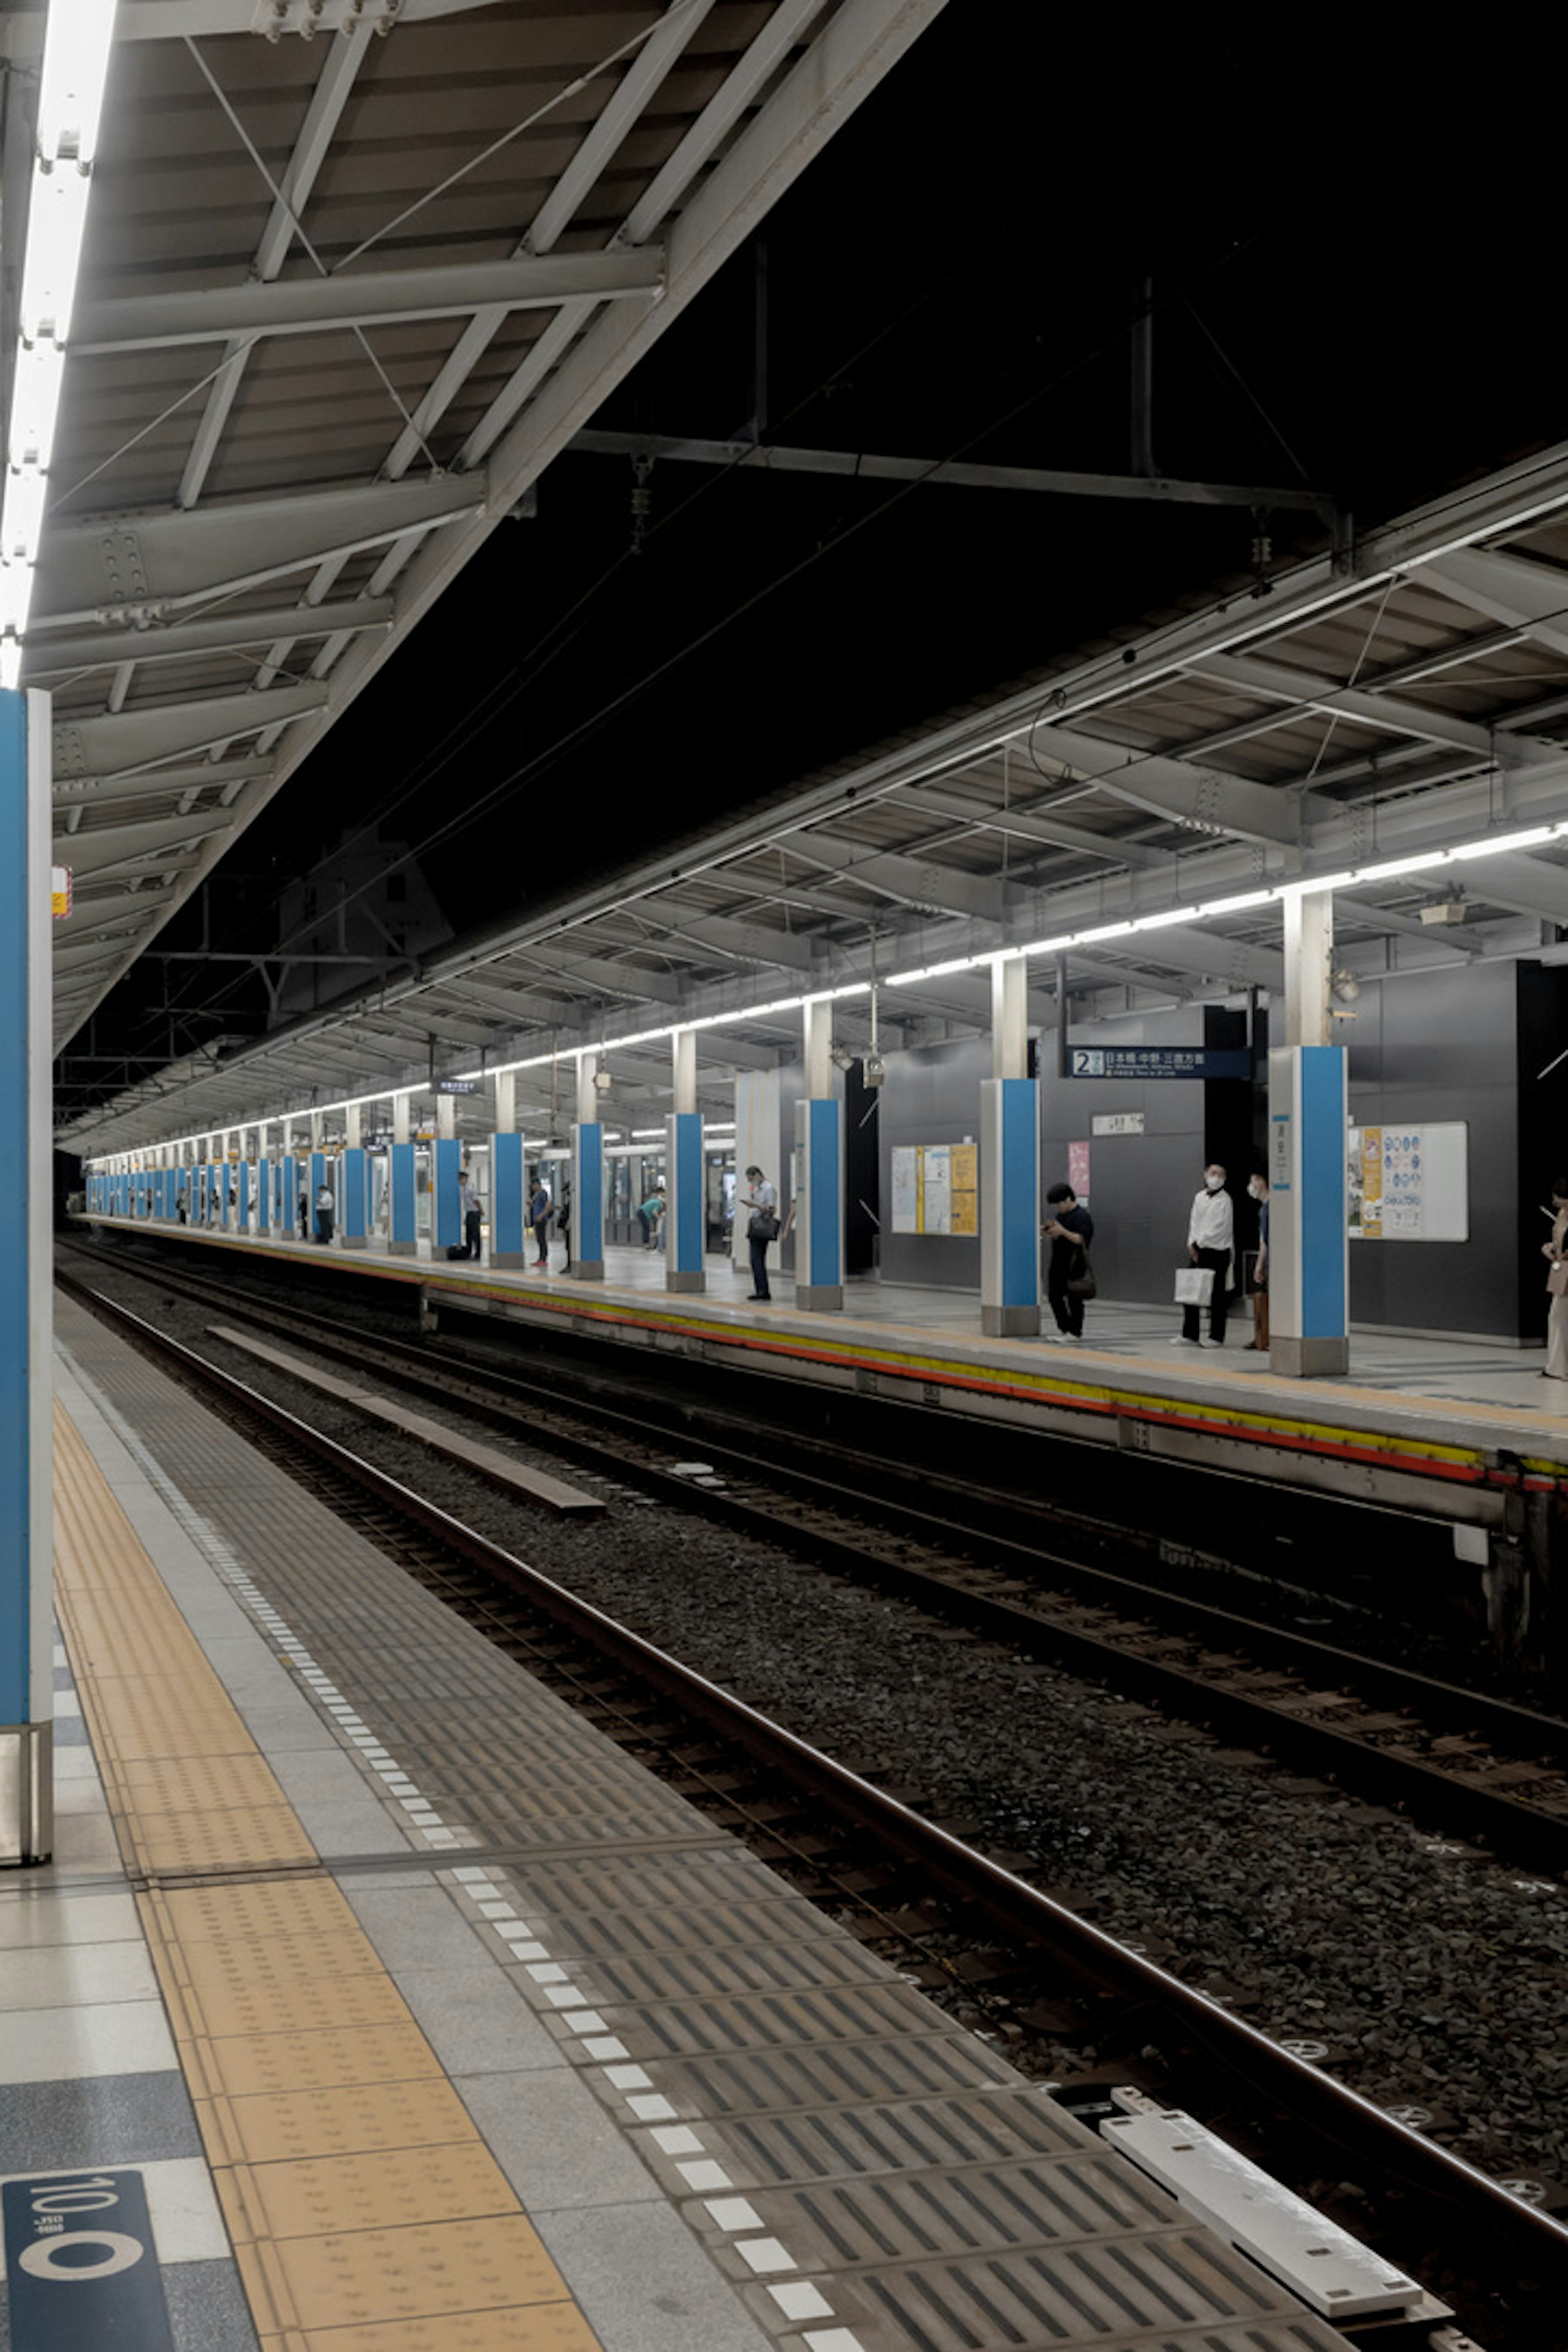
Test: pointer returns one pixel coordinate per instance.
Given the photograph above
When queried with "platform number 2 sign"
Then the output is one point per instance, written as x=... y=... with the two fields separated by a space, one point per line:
x=80 y=2262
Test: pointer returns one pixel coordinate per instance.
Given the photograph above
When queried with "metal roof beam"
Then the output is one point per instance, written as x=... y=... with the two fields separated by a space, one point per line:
x=1207 y=800
x=1529 y=886
x=1032 y=821
x=913 y=881
x=109 y=845
x=787 y=949
x=857 y=465
x=604 y=973
x=318 y=306
x=151 y=563
x=51 y=657
x=122 y=741
x=1508 y=588
x=80 y=793
x=1300 y=691
x=1235 y=962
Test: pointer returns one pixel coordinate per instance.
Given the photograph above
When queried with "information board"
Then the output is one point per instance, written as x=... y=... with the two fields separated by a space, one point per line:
x=1409 y=1183
x=1158 y=1062
x=935 y=1187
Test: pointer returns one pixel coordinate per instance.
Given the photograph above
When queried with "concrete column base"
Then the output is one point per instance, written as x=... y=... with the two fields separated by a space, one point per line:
x=1010 y=1322
x=819 y=1297
x=687 y=1282
x=511 y=1257
x=355 y=1241
x=401 y=1249
x=26 y=1793
x=586 y=1269
x=1306 y=1359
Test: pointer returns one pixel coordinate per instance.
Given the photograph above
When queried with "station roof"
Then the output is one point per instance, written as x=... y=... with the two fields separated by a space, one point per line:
x=1393 y=698
x=355 y=272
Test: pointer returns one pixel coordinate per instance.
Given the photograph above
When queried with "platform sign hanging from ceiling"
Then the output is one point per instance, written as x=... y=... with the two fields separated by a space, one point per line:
x=1158 y=1062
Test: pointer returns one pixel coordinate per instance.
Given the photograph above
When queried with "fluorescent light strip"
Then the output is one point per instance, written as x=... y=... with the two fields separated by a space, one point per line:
x=78 y=38
x=1354 y=878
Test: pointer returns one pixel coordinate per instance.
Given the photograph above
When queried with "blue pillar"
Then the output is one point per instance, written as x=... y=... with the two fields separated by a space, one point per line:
x=404 y=1240
x=1009 y=1208
x=27 y=1628
x=243 y=1219
x=448 y=1194
x=264 y=1197
x=318 y=1177
x=509 y=1201
x=588 y=1200
x=353 y=1178
x=291 y=1196
x=819 y=1204
x=683 y=1208
x=1309 y=1249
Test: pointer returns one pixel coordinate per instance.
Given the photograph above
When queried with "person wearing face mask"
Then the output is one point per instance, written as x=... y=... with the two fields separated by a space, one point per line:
x=1259 y=1189
x=1555 y=1253
x=1211 y=1231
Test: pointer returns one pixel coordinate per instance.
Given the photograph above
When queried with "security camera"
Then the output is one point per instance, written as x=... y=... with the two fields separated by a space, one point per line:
x=873 y=1070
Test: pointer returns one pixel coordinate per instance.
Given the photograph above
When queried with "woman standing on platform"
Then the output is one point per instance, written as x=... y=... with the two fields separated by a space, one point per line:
x=1556 y=1252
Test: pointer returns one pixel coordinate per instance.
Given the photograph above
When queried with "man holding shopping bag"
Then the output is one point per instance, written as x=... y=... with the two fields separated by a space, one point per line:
x=1211 y=1231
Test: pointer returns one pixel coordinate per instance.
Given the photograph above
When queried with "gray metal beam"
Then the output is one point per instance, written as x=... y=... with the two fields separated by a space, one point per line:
x=123 y=741
x=79 y=794
x=913 y=881
x=1207 y=800
x=1298 y=690
x=1509 y=589
x=750 y=941
x=318 y=306
x=151 y=562
x=861 y=466
x=1529 y=886
x=110 y=845
x=1032 y=822
x=611 y=978
x=46 y=657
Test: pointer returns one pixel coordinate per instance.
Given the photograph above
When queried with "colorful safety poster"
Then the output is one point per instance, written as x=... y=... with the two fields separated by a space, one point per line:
x=936 y=1188
x=964 y=1165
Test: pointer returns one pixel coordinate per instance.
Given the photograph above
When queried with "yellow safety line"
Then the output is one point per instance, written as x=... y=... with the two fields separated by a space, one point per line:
x=367 y=2214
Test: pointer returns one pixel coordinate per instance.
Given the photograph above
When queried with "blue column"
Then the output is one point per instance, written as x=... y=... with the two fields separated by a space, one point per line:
x=448 y=1195
x=26 y=1631
x=291 y=1219
x=509 y=1201
x=1308 y=1247
x=264 y=1196
x=353 y=1180
x=683 y=1208
x=318 y=1177
x=819 y=1204
x=243 y=1219
x=1009 y=1208
x=403 y=1242
x=588 y=1200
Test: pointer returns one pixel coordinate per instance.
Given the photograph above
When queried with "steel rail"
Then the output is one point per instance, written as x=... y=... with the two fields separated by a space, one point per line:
x=1532 y=2240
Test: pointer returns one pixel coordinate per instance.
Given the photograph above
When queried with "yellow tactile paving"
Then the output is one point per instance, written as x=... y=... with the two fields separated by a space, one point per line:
x=367 y=2214
x=544 y=2327
x=363 y=2116
x=363 y=2277
x=328 y=2195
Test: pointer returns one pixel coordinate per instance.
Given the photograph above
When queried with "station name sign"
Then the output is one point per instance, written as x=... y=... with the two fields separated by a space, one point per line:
x=1158 y=1062
x=456 y=1085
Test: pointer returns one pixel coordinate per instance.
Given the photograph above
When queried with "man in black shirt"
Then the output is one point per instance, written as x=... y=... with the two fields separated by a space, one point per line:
x=1071 y=1230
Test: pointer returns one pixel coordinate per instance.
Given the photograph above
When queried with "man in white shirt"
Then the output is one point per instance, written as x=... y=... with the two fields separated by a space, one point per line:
x=1211 y=1231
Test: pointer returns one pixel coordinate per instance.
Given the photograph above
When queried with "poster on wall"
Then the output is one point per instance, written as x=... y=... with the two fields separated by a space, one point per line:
x=1409 y=1183
x=936 y=1188
x=1078 y=1170
x=963 y=1160
x=906 y=1201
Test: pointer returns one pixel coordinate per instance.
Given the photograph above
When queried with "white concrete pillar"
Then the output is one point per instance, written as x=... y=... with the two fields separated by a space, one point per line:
x=445 y=1118
x=401 y=1106
x=1010 y=1018
x=1308 y=1251
x=816 y=1028
x=683 y=1058
x=506 y=1102
x=588 y=1089
x=351 y=1126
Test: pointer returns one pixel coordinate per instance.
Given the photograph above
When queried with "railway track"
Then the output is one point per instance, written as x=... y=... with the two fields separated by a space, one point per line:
x=1460 y=1762
x=863 y=1849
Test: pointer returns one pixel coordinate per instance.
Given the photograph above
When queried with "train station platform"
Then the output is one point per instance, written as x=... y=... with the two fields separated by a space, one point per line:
x=1446 y=1425
x=403 y=2012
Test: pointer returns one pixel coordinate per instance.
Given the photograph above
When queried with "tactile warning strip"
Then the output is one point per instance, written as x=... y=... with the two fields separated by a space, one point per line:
x=367 y=2213
x=869 y=2177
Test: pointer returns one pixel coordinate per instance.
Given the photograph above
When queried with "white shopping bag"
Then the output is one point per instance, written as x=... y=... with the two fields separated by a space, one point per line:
x=1194 y=1285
